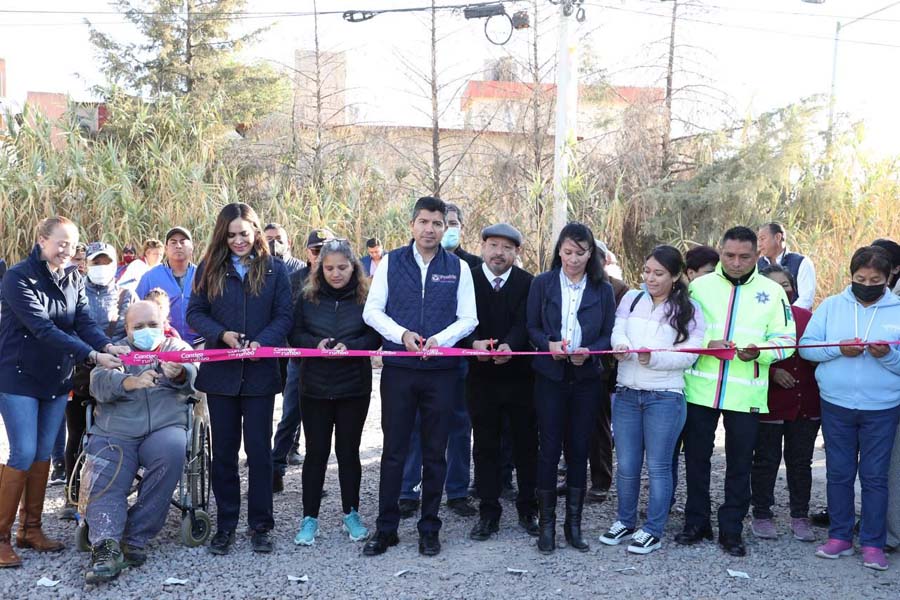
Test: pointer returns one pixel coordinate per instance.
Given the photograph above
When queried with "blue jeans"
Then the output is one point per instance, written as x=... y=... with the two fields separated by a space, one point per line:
x=646 y=421
x=858 y=441
x=459 y=449
x=32 y=425
x=109 y=472
x=289 y=424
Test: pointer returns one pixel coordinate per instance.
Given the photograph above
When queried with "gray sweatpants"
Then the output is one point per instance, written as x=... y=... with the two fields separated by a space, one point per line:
x=893 y=511
x=161 y=454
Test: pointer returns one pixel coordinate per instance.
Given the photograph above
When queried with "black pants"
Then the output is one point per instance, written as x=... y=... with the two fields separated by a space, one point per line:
x=602 y=446
x=799 y=444
x=566 y=412
x=75 y=425
x=432 y=393
x=699 y=441
x=490 y=404
x=345 y=417
x=229 y=417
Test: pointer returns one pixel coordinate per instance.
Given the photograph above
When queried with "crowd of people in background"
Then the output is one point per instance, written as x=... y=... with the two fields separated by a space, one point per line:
x=537 y=428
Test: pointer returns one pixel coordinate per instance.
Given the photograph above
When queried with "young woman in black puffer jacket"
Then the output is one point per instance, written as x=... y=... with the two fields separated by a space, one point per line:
x=334 y=392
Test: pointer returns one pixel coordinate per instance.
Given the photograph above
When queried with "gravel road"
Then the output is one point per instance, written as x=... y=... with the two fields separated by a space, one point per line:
x=335 y=567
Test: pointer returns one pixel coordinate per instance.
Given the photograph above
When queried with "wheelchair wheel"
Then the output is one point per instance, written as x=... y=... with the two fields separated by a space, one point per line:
x=195 y=532
x=82 y=543
x=201 y=454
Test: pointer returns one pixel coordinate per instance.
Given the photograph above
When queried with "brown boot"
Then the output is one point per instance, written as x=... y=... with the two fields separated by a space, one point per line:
x=29 y=534
x=12 y=482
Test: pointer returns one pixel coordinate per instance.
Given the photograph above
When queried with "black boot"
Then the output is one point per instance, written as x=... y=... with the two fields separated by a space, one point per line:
x=547 y=537
x=572 y=524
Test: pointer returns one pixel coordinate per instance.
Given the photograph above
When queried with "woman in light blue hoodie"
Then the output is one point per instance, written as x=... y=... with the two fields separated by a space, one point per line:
x=860 y=389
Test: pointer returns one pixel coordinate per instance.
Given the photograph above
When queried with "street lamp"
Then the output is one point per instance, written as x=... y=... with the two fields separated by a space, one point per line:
x=837 y=38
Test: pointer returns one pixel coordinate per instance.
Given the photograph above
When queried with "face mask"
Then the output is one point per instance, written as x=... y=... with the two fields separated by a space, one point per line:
x=148 y=338
x=279 y=249
x=450 y=241
x=101 y=274
x=127 y=259
x=867 y=293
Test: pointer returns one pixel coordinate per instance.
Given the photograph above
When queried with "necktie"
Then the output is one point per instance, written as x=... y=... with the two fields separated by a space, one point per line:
x=498 y=282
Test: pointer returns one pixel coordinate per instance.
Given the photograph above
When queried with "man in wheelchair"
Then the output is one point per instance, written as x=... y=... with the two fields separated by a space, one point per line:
x=140 y=420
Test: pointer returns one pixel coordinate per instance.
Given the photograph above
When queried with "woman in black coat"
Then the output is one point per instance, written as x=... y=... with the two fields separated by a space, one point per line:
x=241 y=298
x=571 y=311
x=45 y=330
x=334 y=393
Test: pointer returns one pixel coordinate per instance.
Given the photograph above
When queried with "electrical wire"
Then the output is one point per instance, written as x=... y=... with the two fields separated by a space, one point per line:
x=769 y=11
x=226 y=15
x=745 y=27
x=238 y=15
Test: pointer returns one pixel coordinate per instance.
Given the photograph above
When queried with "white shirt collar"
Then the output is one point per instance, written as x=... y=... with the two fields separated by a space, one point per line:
x=418 y=256
x=491 y=277
x=574 y=286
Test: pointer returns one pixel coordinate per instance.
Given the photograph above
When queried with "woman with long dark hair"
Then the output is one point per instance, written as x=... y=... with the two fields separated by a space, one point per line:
x=571 y=311
x=334 y=394
x=241 y=299
x=650 y=409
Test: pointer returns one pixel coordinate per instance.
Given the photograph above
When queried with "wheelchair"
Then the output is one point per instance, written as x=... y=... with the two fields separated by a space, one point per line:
x=191 y=497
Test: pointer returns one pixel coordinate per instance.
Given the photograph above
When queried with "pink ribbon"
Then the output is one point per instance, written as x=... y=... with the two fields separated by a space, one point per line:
x=201 y=356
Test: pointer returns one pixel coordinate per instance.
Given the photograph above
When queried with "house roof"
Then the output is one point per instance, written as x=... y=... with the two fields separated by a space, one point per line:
x=514 y=90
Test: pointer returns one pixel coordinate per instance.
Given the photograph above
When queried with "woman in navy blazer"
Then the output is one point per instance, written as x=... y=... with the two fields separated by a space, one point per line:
x=45 y=330
x=241 y=298
x=571 y=311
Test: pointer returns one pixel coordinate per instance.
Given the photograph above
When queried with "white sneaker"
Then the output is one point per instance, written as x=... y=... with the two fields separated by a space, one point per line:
x=644 y=543
x=617 y=532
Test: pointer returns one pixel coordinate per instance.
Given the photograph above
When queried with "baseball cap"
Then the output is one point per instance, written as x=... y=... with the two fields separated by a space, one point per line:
x=95 y=249
x=317 y=237
x=181 y=230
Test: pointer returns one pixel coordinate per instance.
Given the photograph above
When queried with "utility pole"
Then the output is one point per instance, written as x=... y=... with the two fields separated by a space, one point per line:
x=667 y=132
x=832 y=96
x=566 y=110
x=188 y=50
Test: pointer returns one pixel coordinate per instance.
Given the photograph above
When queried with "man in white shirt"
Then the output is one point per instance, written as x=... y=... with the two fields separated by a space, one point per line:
x=771 y=240
x=421 y=298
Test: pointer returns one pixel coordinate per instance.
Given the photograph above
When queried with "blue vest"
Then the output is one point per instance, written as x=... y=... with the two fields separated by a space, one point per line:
x=790 y=262
x=428 y=313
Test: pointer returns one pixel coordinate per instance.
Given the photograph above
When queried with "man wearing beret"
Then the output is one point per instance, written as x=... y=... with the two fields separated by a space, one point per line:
x=501 y=386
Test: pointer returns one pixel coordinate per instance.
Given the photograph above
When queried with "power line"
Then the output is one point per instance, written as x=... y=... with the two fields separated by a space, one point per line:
x=259 y=14
x=238 y=15
x=746 y=27
x=769 y=11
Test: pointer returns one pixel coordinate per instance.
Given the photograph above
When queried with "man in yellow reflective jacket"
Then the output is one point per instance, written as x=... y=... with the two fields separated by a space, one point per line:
x=746 y=311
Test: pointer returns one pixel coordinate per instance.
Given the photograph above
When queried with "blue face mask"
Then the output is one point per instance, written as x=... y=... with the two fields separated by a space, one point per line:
x=450 y=241
x=148 y=338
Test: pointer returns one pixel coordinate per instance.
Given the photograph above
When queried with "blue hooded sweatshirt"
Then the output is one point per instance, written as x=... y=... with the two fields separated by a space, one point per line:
x=862 y=382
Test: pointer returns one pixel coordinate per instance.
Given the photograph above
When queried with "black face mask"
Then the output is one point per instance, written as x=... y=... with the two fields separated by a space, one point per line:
x=867 y=293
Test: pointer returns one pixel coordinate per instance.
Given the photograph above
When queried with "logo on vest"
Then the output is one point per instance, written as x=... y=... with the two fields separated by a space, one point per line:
x=436 y=278
x=762 y=298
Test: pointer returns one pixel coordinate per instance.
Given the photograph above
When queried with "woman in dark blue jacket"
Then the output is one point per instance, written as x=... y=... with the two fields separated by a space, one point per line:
x=334 y=394
x=241 y=298
x=45 y=330
x=571 y=311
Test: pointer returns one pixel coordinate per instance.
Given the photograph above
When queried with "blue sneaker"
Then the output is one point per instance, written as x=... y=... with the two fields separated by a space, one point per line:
x=353 y=525
x=309 y=528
